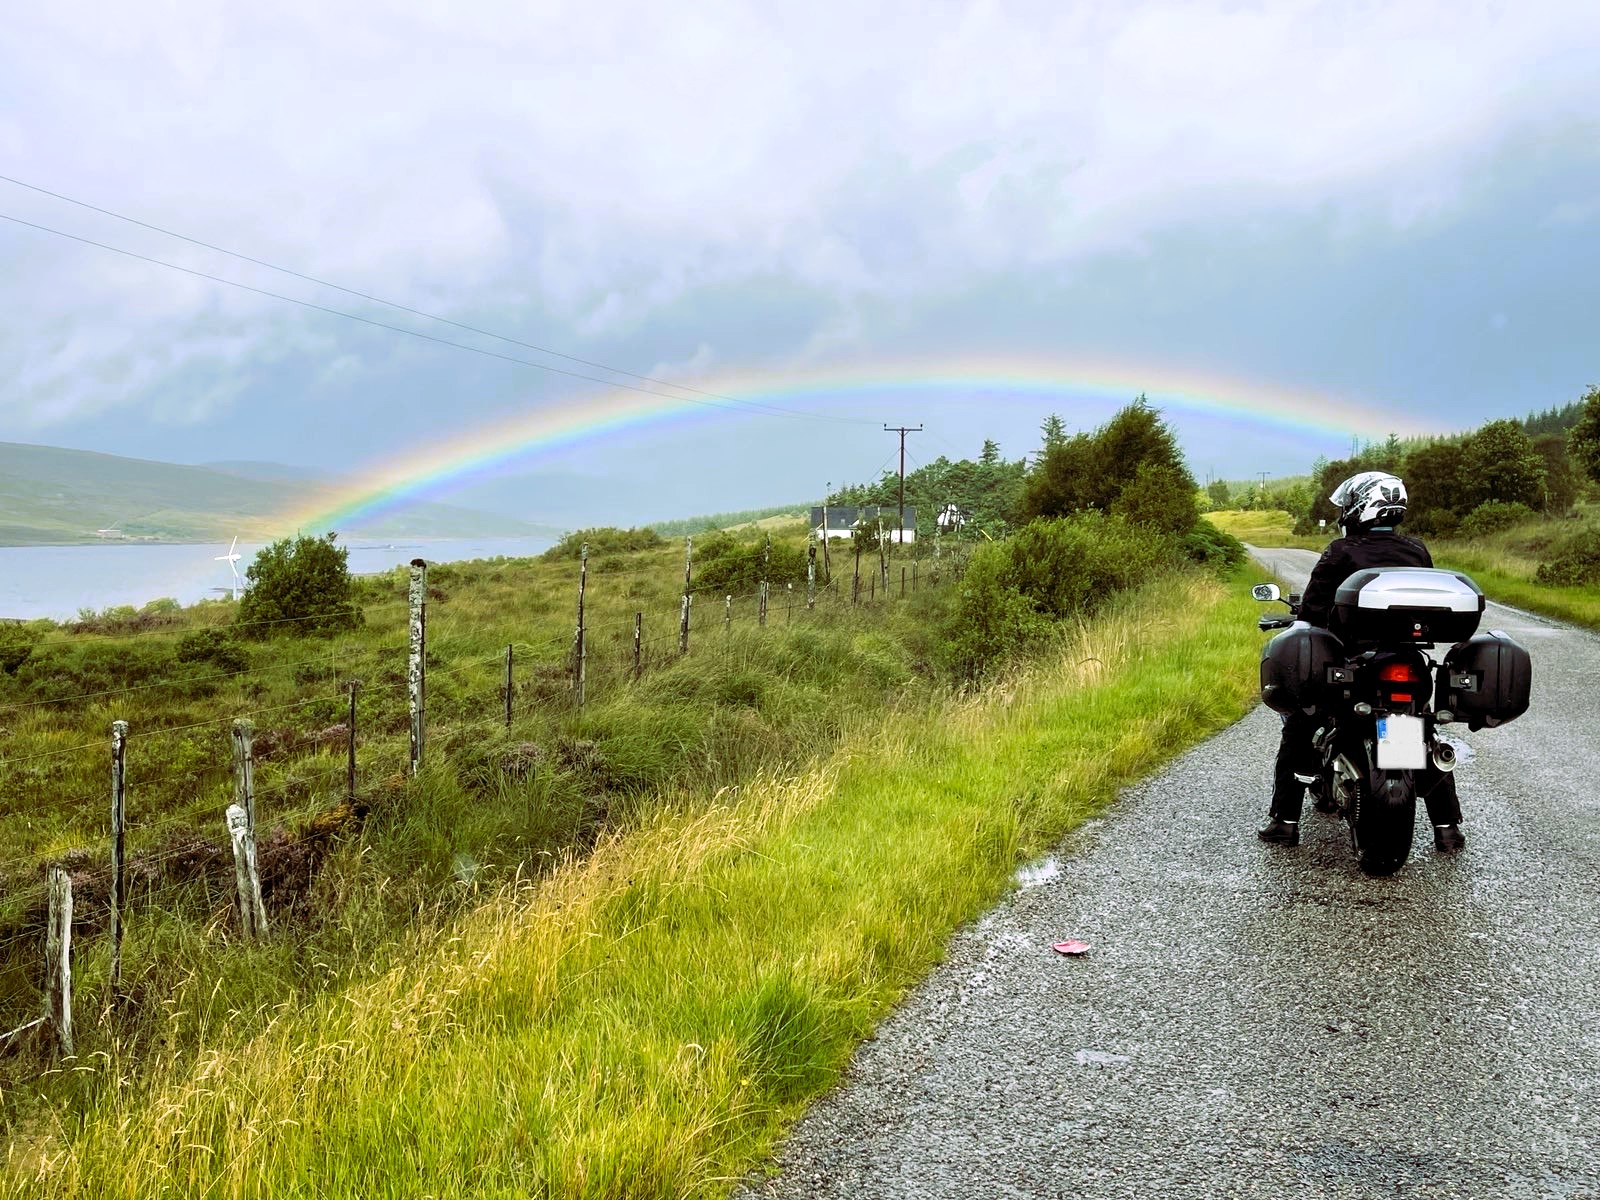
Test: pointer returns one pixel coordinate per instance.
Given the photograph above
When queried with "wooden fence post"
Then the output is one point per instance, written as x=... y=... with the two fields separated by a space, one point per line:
x=580 y=648
x=811 y=574
x=119 y=750
x=789 y=591
x=761 y=615
x=58 y=959
x=913 y=576
x=727 y=613
x=902 y=582
x=855 y=583
x=246 y=877
x=683 y=619
x=872 y=588
x=509 y=683
x=416 y=664
x=244 y=768
x=350 y=750
x=827 y=562
x=638 y=644
x=883 y=561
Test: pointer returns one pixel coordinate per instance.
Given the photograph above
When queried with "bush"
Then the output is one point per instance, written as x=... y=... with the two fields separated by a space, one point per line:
x=1212 y=547
x=727 y=566
x=1574 y=560
x=1492 y=516
x=16 y=646
x=299 y=586
x=603 y=539
x=1160 y=497
x=1049 y=570
x=215 y=647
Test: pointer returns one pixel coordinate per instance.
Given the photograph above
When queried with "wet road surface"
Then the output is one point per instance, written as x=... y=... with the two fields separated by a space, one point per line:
x=1256 y=1021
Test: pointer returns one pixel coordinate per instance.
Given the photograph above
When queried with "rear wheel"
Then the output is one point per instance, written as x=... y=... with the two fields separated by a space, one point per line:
x=1384 y=816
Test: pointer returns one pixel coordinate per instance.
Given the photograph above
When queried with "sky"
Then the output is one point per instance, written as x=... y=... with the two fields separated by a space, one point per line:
x=1388 y=215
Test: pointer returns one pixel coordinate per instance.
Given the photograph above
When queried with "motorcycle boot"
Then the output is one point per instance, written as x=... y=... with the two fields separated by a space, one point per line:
x=1444 y=809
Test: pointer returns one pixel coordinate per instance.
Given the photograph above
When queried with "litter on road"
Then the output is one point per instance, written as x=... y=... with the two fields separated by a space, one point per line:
x=1072 y=948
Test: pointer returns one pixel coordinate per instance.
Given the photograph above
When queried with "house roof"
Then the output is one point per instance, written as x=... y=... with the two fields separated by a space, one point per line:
x=844 y=516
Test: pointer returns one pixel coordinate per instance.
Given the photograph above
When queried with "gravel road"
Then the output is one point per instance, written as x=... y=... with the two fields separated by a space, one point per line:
x=1256 y=1021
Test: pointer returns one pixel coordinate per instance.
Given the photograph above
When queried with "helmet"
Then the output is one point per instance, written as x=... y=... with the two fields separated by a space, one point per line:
x=1368 y=499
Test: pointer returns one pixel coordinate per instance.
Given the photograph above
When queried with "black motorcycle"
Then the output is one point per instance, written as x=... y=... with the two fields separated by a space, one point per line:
x=1381 y=698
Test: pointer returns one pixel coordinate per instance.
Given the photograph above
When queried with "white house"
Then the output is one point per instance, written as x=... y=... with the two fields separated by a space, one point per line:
x=843 y=518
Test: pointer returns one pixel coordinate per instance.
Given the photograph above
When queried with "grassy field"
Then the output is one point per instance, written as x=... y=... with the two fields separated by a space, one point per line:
x=1271 y=527
x=345 y=883
x=1503 y=564
x=644 y=1020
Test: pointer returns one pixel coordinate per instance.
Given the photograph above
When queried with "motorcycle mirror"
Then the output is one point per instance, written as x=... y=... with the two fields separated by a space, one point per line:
x=1265 y=591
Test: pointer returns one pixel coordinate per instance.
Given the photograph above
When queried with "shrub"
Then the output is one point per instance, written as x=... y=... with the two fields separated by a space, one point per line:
x=1212 y=547
x=16 y=646
x=725 y=565
x=1161 y=497
x=1574 y=560
x=1050 y=569
x=299 y=586
x=1492 y=516
x=603 y=539
x=215 y=647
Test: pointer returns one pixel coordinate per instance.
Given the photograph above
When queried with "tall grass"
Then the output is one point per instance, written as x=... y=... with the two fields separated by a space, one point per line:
x=644 y=1020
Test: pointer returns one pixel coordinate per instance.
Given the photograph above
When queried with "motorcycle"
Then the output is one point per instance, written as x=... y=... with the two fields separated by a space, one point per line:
x=1381 y=698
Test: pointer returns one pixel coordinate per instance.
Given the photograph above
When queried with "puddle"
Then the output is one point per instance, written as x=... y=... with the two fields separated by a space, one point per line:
x=1036 y=874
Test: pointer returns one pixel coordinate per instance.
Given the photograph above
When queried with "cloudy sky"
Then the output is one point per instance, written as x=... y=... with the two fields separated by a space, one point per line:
x=1392 y=206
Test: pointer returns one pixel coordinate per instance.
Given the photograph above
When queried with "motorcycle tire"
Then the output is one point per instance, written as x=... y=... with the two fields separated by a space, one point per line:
x=1385 y=815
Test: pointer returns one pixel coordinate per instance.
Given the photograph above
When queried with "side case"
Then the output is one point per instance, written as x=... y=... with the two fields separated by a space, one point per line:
x=1486 y=680
x=1294 y=668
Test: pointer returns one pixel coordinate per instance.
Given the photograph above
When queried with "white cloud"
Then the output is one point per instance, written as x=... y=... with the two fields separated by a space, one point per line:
x=589 y=162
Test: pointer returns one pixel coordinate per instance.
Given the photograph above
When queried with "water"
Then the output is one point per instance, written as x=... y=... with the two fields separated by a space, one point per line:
x=58 y=581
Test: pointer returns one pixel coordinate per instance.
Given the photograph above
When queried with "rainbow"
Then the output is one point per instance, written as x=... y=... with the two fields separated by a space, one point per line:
x=427 y=473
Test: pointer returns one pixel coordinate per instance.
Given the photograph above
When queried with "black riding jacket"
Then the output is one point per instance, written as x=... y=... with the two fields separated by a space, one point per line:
x=1347 y=555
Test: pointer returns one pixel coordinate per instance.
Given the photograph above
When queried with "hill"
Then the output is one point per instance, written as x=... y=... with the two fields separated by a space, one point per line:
x=53 y=496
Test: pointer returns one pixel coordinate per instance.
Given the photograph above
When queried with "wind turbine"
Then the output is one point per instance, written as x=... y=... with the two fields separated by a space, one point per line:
x=232 y=559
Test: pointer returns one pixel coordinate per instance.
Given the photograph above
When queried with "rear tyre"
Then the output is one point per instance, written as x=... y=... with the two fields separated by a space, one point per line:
x=1385 y=816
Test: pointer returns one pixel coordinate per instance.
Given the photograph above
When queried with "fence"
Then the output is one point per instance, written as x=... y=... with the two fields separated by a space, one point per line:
x=554 y=672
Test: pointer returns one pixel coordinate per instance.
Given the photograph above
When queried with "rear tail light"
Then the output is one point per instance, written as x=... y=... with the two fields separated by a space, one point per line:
x=1398 y=672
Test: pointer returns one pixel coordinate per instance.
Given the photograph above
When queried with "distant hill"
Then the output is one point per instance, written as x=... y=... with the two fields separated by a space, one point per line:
x=270 y=472
x=49 y=495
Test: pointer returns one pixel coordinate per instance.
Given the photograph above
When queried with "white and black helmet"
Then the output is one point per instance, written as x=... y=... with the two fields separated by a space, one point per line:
x=1368 y=499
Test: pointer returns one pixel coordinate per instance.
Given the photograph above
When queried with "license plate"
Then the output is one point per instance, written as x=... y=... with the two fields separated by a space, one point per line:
x=1401 y=745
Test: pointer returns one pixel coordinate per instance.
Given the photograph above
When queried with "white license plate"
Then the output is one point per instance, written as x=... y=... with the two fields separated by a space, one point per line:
x=1401 y=745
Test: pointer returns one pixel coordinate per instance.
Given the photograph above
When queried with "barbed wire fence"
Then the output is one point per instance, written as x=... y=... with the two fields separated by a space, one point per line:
x=38 y=912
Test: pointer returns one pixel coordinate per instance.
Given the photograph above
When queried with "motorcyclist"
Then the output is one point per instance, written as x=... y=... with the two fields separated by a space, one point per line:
x=1370 y=505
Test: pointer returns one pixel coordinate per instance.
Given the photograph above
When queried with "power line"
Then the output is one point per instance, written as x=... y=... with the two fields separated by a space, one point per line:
x=416 y=312
x=732 y=404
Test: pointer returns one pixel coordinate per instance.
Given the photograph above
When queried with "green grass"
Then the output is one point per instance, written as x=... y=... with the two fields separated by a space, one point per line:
x=644 y=1021
x=1272 y=527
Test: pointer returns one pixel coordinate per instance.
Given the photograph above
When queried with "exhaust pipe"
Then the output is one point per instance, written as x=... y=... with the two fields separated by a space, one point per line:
x=1444 y=757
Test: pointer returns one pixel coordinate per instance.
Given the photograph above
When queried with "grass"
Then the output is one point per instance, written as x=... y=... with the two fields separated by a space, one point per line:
x=644 y=1021
x=1271 y=527
x=494 y=803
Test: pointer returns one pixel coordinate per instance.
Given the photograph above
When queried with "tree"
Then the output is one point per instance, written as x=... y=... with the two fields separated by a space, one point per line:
x=1583 y=442
x=1436 y=500
x=299 y=586
x=990 y=457
x=1561 y=481
x=1160 y=497
x=1500 y=463
x=1218 y=493
x=1054 y=431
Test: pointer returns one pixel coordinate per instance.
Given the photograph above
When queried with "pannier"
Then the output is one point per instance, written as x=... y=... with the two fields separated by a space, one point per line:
x=1485 y=680
x=1395 y=606
x=1294 y=668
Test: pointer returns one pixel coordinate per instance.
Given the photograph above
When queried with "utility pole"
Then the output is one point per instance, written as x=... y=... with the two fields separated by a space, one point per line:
x=902 y=430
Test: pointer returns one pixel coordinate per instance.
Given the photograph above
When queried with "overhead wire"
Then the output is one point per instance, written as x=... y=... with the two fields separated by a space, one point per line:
x=395 y=304
x=732 y=404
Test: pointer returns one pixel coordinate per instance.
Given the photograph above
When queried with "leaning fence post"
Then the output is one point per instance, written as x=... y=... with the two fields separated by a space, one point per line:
x=244 y=768
x=58 y=958
x=638 y=644
x=580 y=649
x=416 y=666
x=683 y=619
x=350 y=749
x=119 y=750
x=811 y=574
x=246 y=876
